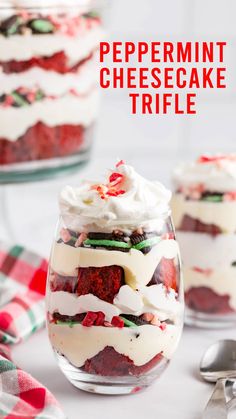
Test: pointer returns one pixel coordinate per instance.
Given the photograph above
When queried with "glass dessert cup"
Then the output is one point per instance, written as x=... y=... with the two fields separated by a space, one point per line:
x=114 y=304
x=49 y=91
x=205 y=221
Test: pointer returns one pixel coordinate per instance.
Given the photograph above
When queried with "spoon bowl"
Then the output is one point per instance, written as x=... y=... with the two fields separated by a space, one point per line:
x=218 y=365
x=219 y=361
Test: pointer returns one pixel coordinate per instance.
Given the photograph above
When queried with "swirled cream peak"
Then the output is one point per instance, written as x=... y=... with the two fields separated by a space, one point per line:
x=125 y=200
x=213 y=173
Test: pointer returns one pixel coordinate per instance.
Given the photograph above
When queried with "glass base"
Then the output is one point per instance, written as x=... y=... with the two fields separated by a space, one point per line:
x=43 y=169
x=108 y=385
x=36 y=170
x=209 y=321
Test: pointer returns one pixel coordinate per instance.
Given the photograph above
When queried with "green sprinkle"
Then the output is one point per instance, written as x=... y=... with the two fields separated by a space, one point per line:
x=113 y=243
x=93 y=14
x=42 y=26
x=213 y=198
x=107 y=243
x=146 y=243
x=19 y=100
x=39 y=95
x=128 y=323
x=14 y=27
x=233 y=264
x=69 y=323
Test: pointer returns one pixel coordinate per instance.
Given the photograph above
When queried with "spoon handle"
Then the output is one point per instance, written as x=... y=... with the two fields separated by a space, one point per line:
x=216 y=407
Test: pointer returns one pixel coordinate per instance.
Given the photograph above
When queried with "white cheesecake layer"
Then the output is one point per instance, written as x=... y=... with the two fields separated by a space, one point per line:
x=76 y=48
x=207 y=252
x=154 y=299
x=222 y=281
x=138 y=268
x=52 y=83
x=222 y=214
x=65 y=110
x=79 y=343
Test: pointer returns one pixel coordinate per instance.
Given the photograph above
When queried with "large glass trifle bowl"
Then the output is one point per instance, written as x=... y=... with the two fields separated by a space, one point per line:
x=114 y=291
x=48 y=85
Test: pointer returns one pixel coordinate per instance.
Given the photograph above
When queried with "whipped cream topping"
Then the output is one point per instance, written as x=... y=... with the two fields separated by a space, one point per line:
x=141 y=203
x=213 y=173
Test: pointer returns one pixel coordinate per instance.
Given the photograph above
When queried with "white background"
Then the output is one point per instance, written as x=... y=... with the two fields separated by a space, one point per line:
x=154 y=145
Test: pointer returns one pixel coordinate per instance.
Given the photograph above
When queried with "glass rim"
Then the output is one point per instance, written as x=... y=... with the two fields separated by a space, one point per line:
x=89 y=6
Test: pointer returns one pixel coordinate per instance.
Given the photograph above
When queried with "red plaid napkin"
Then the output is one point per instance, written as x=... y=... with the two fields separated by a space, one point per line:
x=22 y=288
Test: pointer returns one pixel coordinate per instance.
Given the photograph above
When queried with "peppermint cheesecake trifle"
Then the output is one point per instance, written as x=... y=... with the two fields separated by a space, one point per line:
x=48 y=80
x=204 y=211
x=114 y=297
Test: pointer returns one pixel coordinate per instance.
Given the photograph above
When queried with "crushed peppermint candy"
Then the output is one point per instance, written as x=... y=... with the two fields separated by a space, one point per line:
x=218 y=158
x=112 y=188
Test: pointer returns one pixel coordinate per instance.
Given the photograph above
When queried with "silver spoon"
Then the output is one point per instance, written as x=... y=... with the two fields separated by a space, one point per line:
x=219 y=365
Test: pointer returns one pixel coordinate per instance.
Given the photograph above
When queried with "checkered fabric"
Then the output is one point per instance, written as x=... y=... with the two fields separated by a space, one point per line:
x=22 y=289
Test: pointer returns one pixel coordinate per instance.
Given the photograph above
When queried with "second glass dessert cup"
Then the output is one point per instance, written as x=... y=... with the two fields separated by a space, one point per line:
x=204 y=211
x=49 y=97
x=114 y=303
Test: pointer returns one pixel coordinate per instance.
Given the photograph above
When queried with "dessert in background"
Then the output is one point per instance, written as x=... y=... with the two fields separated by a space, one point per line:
x=48 y=81
x=204 y=211
x=114 y=297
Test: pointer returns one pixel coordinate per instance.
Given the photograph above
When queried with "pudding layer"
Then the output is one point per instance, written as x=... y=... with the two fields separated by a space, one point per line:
x=221 y=281
x=76 y=48
x=205 y=300
x=82 y=111
x=139 y=268
x=206 y=252
x=220 y=214
x=154 y=299
x=141 y=344
x=51 y=82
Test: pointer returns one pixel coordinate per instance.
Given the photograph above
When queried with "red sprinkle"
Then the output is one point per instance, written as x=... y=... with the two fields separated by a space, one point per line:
x=31 y=97
x=163 y=326
x=207 y=159
x=111 y=188
x=74 y=92
x=115 y=178
x=89 y=319
x=229 y=196
x=120 y=163
x=136 y=389
x=8 y=101
x=100 y=319
x=206 y=272
x=107 y=324
x=117 y=322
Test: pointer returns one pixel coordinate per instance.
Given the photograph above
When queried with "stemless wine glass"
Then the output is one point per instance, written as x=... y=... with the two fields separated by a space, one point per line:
x=114 y=304
x=49 y=86
x=204 y=212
